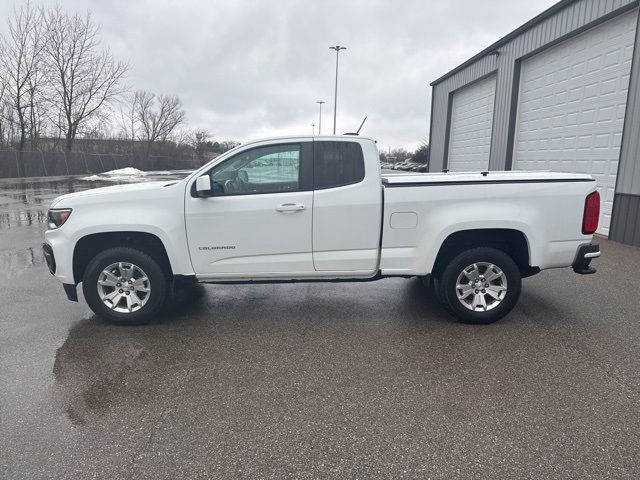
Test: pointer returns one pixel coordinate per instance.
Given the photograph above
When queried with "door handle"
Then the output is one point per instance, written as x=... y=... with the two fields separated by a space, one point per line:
x=290 y=207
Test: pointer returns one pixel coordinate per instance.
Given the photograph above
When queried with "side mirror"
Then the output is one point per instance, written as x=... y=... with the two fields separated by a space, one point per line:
x=203 y=185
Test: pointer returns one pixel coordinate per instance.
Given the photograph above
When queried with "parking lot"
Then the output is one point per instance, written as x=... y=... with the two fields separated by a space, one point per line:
x=363 y=380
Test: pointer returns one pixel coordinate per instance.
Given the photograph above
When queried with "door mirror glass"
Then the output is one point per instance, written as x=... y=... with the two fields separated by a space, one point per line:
x=203 y=185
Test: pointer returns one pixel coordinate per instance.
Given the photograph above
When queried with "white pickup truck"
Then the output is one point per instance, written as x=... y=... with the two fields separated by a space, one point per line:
x=305 y=209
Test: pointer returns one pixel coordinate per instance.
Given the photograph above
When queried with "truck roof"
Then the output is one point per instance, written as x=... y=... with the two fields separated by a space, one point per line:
x=308 y=137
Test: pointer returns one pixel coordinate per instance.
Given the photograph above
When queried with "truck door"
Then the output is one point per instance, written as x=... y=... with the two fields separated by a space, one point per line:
x=257 y=219
x=347 y=207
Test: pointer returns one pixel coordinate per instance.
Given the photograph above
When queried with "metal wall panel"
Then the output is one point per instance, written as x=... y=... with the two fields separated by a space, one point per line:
x=572 y=19
x=571 y=106
x=471 y=123
x=440 y=104
x=625 y=223
x=629 y=169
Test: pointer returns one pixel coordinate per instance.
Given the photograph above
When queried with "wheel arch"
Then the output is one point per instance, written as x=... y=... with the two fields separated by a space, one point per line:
x=513 y=242
x=90 y=245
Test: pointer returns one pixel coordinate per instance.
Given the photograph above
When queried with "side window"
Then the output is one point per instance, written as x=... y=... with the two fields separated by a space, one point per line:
x=337 y=164
x=269 y=169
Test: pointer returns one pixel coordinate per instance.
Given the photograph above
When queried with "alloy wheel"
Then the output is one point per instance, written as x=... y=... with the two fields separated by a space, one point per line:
x=481 y=286
x=124 y=287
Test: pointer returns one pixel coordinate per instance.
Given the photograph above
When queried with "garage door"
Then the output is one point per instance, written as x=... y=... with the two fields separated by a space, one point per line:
x=471 y=123
x=571 y=106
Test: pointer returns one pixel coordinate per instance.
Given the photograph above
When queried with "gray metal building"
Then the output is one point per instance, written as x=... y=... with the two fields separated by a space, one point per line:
x=561 y=92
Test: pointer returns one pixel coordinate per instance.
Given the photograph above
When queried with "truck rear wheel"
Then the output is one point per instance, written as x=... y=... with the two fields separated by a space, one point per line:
x=125 y=286
x=480 y=285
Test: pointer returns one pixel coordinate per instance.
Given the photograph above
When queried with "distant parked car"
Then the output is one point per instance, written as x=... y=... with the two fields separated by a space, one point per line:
x=423 y=167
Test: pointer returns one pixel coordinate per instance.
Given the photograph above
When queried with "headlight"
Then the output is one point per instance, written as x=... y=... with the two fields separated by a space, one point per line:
x=57 y=217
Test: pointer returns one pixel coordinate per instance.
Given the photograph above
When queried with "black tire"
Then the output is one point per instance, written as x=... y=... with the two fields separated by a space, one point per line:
x=157 y=282
x=448 y=281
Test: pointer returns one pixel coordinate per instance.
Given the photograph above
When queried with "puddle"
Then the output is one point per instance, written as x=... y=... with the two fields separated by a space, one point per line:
x=17 y=261
x=23 y=210
x=101 y=366
x=94 y=365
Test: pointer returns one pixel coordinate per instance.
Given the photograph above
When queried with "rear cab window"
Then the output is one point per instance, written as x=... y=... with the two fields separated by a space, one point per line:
x=337 y=164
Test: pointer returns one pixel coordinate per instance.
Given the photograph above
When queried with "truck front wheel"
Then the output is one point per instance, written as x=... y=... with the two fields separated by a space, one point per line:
x=480 y=285
x=125 y=286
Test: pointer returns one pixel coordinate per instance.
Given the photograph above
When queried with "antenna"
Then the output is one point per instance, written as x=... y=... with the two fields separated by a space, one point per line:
x=365 y=119
x=359 y=128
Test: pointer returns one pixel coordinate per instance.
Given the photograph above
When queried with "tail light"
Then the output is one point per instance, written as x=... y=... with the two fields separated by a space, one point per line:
x=591 y=213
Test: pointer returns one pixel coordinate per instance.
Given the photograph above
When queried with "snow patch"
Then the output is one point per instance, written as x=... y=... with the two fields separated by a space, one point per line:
x=113 y=178
x=125 y=171
x=127 y=174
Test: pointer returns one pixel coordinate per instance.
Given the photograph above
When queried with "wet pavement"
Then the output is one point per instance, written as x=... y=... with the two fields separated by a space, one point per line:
x=364 y=380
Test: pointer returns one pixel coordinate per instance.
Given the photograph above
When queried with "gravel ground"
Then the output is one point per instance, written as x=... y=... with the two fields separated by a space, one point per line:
x=363 y=380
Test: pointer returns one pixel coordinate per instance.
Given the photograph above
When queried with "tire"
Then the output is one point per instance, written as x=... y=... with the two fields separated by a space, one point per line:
x=498 y=288
x=146 y=298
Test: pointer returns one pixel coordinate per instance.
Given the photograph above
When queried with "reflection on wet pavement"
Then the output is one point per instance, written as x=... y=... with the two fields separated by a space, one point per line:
x=93 y=372
x=15 y=261
x=23 y=214
x=22 y=218
x=86 y=391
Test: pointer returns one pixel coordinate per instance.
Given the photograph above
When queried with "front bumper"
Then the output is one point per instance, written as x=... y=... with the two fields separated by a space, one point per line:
x=59 y=248
x=586 y=253
x=69 y=289
x=49 y=257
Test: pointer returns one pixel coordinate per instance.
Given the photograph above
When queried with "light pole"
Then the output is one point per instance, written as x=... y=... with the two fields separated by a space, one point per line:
x=313 y=128
x=337 y=48
x=320 y=102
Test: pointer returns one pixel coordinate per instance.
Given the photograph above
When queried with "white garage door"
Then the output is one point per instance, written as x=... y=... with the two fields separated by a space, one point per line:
x=471 y=123
x=571 y=106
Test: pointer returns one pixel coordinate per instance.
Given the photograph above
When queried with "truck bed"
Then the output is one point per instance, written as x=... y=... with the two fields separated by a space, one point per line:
x=413 y=179
x=422 y=210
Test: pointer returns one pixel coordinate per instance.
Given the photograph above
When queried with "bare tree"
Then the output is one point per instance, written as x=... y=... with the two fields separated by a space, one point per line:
x=198 y=140
x=37 y=102
x=158 y=116
x=421 y=155
x=128 y=121
x=400 y=154
x=85 y=78
x=3 y=107
x=127 y=118
x=199 y=136
x=21 y=61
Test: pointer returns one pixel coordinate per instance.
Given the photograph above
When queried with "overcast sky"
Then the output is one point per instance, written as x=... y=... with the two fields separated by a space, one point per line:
x=247 y=69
